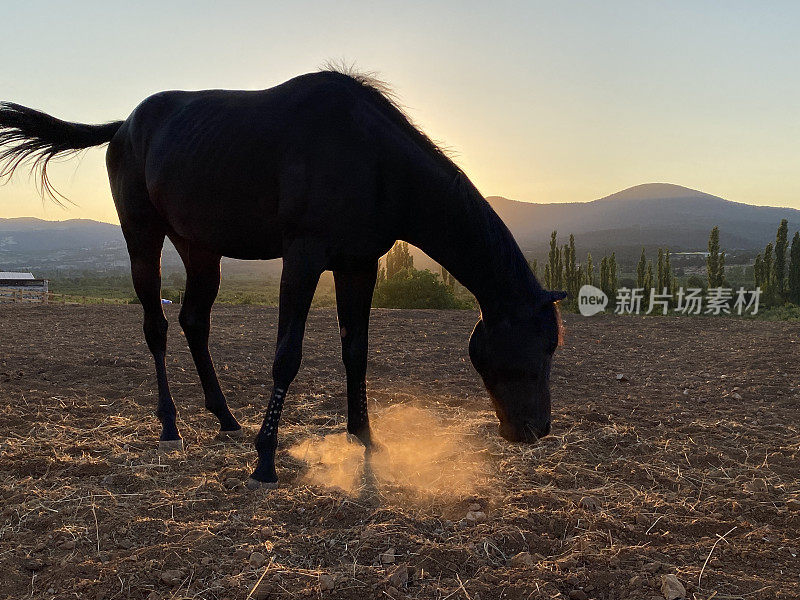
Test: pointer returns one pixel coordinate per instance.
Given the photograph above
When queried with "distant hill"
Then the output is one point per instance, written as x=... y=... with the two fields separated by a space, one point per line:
x=652 y=214
x=27 y=234
x=79 y=245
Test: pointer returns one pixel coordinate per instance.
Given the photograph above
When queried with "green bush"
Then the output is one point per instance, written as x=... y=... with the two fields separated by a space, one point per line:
x=786 y=312
x=410 y=288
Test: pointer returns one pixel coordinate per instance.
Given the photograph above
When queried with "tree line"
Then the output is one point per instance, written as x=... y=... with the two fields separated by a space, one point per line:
x=563 y=271
x=776 y=272
x=778 y=278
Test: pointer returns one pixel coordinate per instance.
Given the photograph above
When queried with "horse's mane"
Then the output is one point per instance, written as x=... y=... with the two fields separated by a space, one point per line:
x=384 y=94
x=494 y=229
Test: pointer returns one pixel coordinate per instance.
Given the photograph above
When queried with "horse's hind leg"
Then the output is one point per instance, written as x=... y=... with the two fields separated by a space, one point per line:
x=144 y=247
x=354 y=290
x=202 y=285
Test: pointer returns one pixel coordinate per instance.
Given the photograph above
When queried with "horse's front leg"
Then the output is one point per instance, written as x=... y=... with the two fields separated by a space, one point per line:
x=303 y=263
x=354 y=289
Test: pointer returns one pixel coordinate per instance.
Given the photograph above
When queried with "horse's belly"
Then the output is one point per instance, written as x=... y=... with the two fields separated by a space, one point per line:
x=233 y=228
x=263 y=246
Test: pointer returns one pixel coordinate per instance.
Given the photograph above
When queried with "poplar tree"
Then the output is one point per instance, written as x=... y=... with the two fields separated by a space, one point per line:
x=612 y=277
x=554 y=262
x=781 y=246
x=794 y=270
x=571 y=274
x=641 y=270
x=669 y=277
x=767 y=273
x=398 y=259
x=715 y=262
x=534 y=265
x=589 y=269
x=648 y=278
x=447 y=278
x=758 y=272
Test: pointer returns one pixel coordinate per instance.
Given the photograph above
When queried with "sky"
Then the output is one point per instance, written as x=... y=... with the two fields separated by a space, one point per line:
x=539 y=101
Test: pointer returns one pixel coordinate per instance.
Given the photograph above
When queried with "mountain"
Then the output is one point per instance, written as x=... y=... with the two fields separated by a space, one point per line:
x=77 y=245
x=652 y=214
x=27 y=234
x=49 y=247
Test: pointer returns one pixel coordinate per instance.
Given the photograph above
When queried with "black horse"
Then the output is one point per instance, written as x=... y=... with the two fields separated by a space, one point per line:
x=326 y=172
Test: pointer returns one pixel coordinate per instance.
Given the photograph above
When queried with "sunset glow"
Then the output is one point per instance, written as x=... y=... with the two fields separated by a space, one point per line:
x=540 y=102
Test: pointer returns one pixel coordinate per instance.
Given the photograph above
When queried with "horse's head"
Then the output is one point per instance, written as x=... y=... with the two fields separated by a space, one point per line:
x=513 y=357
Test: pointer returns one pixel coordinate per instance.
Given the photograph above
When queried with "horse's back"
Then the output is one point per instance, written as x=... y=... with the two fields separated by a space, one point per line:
x=254 y=164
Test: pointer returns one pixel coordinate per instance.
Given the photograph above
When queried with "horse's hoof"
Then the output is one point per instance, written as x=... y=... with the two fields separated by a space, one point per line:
x=170 y=445
x=371 y=446
x=376 y=448
x=255 y=484
x=230 y=435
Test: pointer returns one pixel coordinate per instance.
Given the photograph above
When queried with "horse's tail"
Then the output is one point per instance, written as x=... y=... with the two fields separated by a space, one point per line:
x=33 y=137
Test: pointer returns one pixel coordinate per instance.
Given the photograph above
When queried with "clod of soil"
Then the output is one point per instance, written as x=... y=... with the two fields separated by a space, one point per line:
x=522 y=559
x=257 y=559
x=172 y=577
x=326 y=582
x=474 y=517
x=398 y=578
x=672 y=588
x=388 y=557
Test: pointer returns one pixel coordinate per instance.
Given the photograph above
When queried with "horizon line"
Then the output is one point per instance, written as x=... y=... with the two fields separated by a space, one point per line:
x=534 y=202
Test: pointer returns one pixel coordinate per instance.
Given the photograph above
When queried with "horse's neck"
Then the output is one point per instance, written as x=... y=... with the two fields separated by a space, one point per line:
x=458 y=229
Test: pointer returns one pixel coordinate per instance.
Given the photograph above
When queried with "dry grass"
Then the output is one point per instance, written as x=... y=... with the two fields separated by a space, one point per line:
x=638 y=480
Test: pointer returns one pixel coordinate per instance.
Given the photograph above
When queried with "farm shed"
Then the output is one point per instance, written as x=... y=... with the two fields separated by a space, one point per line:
x=22 y=287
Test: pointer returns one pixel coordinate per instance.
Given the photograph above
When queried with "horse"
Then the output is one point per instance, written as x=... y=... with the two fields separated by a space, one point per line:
x=326 y=172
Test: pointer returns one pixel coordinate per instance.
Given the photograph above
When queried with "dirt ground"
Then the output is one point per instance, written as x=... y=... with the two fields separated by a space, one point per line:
x=687 y=465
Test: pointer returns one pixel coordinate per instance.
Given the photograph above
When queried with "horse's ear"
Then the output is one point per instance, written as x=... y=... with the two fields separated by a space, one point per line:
x=556 y=296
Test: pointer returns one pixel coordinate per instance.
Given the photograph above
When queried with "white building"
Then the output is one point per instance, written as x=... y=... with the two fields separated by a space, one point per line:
x=14 y=284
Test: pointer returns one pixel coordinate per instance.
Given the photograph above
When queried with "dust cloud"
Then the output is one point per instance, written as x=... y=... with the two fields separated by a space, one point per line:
x=423 y=457
x=333 y=461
